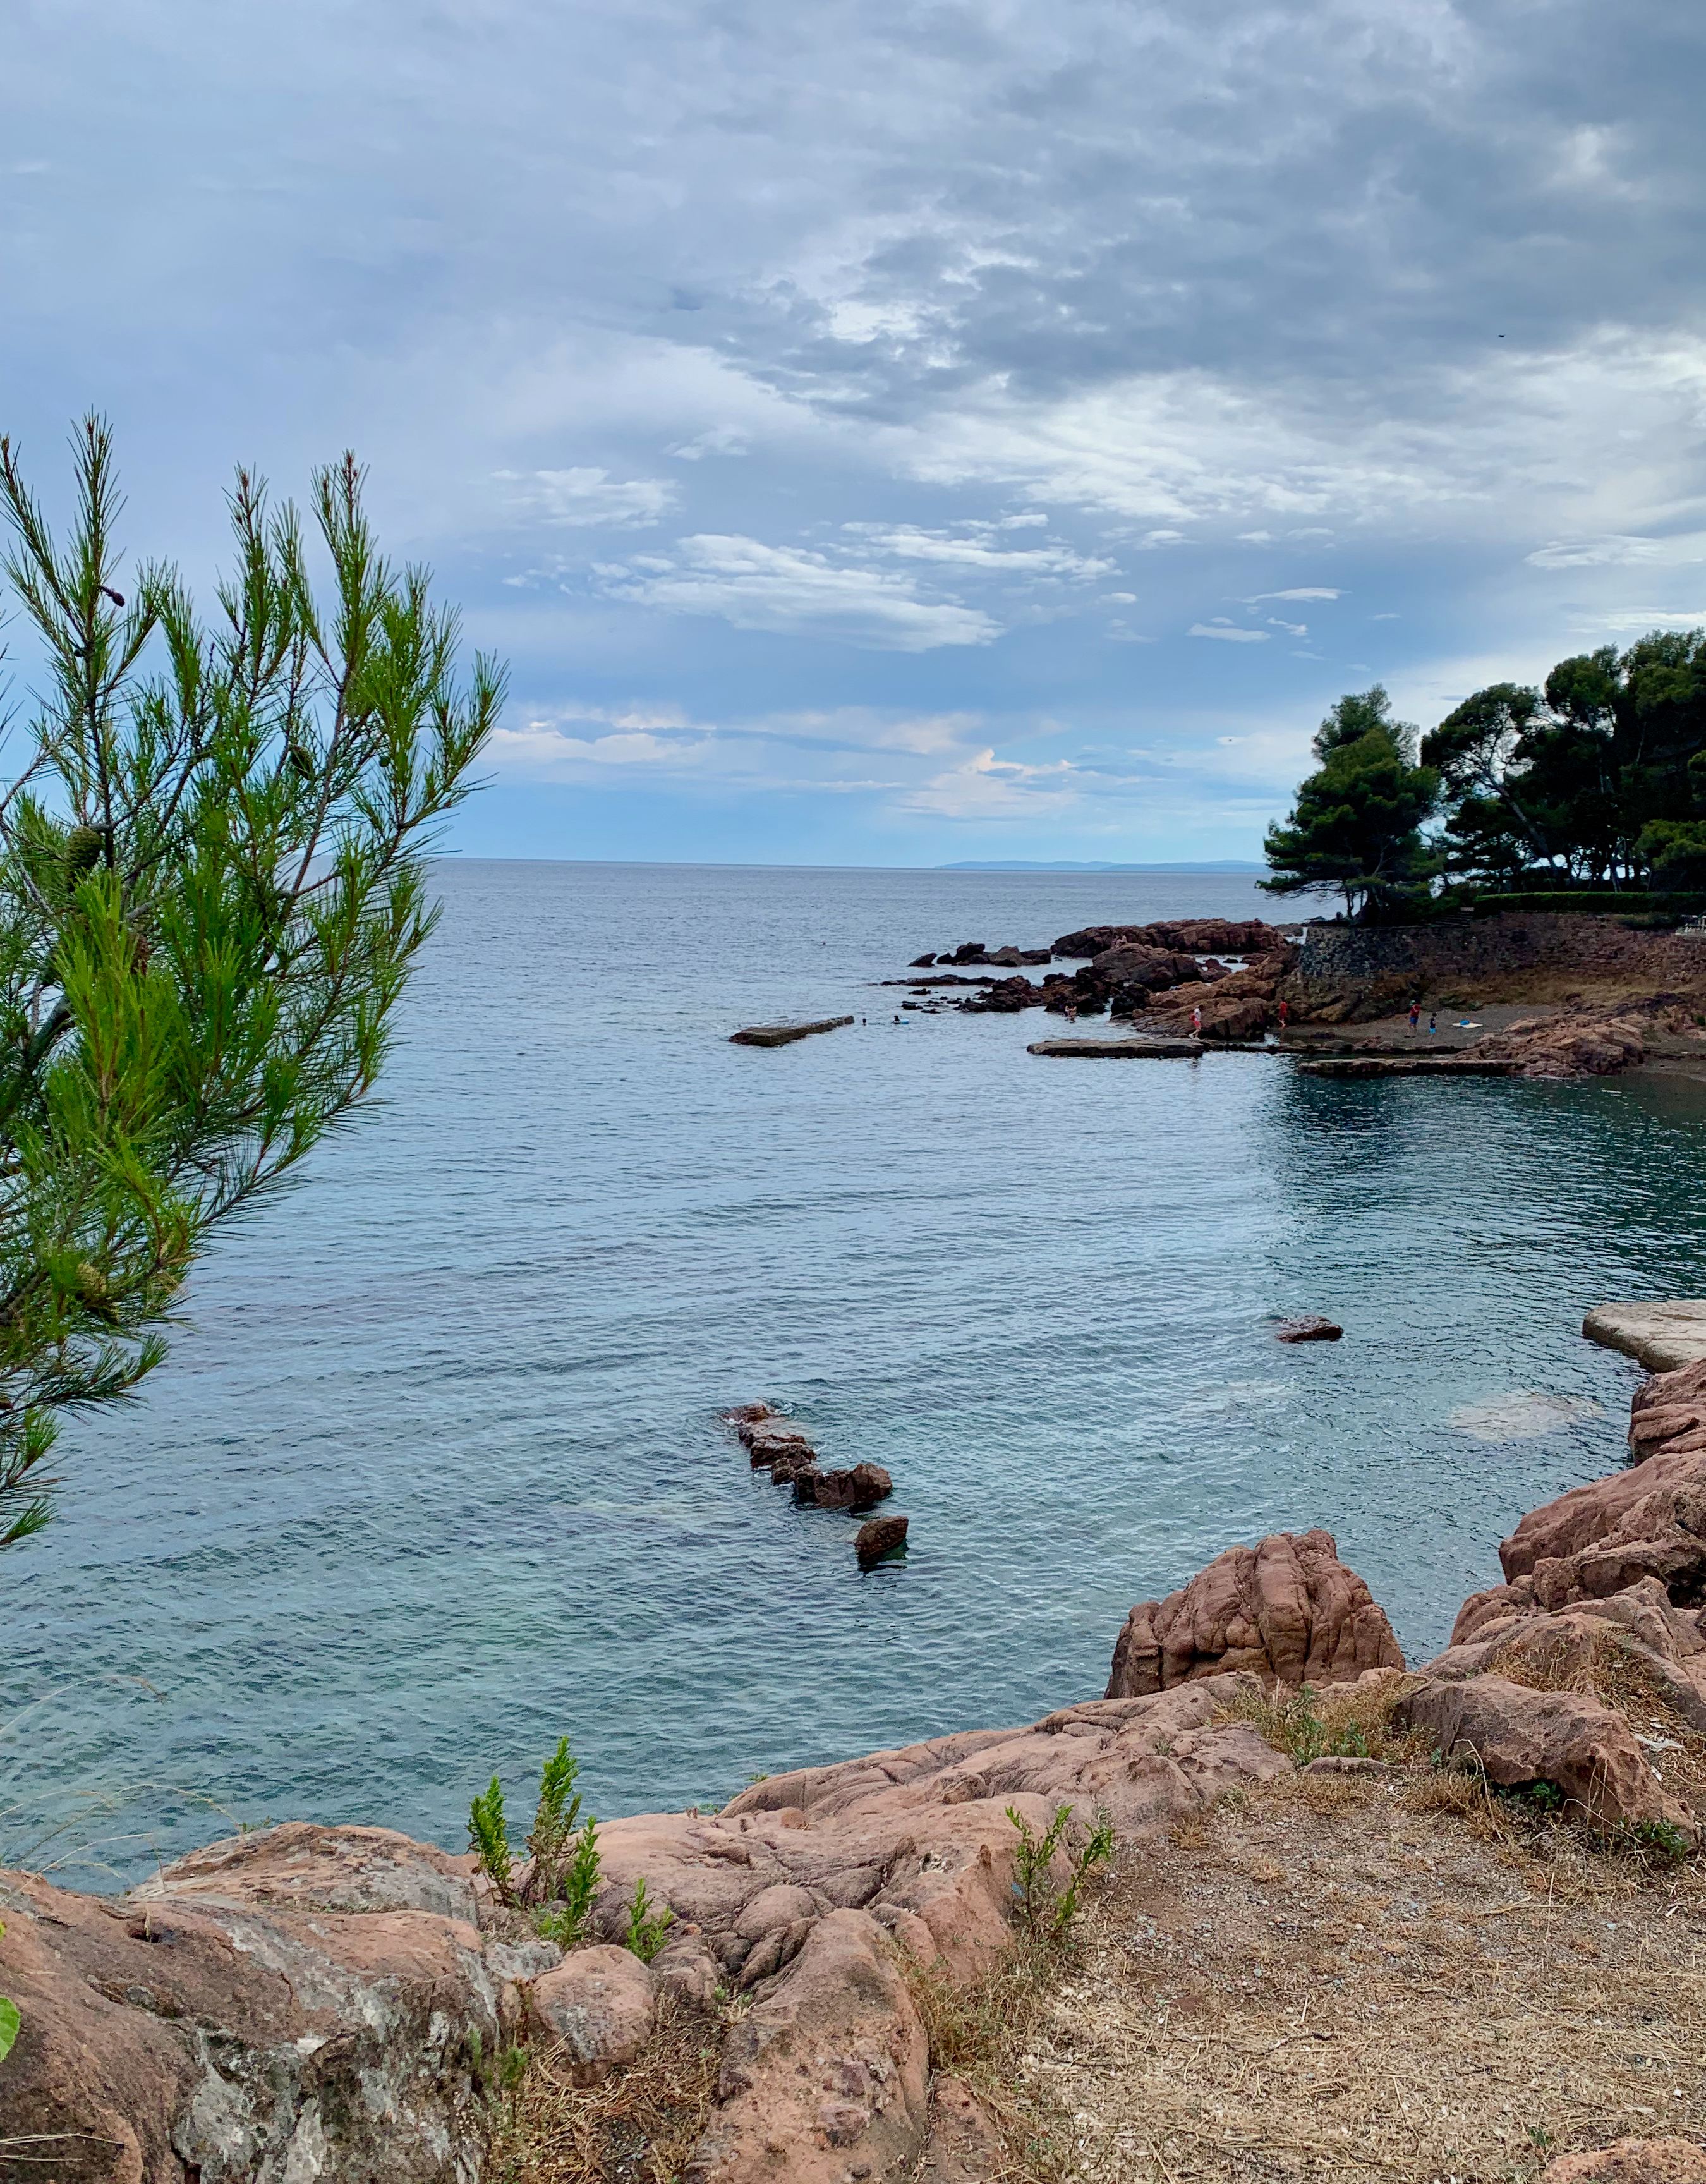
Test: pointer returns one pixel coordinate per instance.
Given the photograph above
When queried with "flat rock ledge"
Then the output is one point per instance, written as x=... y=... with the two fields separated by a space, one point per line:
x=1661 y=1336
x=1140 y=1050
x=783 y=1034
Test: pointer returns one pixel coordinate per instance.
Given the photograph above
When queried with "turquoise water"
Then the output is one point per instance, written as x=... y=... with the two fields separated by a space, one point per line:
x=437 y=1475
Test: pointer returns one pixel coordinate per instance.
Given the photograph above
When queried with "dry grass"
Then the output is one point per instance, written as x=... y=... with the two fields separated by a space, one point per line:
x=637 y=2126
x=1326 y=1982
x=979 y=2034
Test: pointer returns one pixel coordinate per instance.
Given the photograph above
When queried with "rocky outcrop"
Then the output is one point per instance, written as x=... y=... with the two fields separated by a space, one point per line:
x=1663 y=1335
x=863 y=1487
x=1286 y=1608
x=1190 y=936
x=1517 y=1736
x=1309 y=1328
x=1563 y=1650
x=1668 y=1413
x=829 y=2075
x=304 y=2002
x=1575 y=1046
x=1133 y=963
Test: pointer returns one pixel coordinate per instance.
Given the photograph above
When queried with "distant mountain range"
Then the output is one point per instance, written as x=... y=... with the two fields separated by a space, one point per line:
x=1034 y=864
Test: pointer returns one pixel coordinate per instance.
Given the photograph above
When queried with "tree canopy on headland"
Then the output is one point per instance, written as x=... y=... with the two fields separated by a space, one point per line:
x=1598 y=778
x=212 y=890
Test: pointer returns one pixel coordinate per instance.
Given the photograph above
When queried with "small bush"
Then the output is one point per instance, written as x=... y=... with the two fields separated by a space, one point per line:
x=562 y=1876
x=1045 y=1912
x=647 y=1927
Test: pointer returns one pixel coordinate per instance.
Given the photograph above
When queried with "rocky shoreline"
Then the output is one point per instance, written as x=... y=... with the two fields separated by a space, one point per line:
x=324 y=2003
x=1594 y=996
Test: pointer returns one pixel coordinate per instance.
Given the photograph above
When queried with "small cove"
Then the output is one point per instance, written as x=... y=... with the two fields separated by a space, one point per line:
x=436 y=1475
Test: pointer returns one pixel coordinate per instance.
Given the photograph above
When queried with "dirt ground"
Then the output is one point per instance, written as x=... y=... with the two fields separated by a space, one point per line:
x=1333 y=1980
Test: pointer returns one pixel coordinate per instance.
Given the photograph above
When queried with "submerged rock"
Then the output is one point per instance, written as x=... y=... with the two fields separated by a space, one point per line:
x=1309 y=1328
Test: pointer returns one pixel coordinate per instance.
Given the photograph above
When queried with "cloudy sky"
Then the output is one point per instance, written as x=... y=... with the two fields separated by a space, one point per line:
x=882 y=433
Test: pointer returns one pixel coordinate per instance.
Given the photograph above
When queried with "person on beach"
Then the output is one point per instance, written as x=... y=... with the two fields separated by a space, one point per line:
x=1433 y=1021
x=1285 y=1014
x=1415 y=1014
x=1197 y=1024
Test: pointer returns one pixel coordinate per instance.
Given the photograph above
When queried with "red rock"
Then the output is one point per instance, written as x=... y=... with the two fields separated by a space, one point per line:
x=1580 y=1045
x=298 y=2003
x=861 y=1488
x=599 y=2005
x=880 y=1537
x=1517 y=1734
x=1649 y=1521
x=748 y=1414
x=1309 y=1329
x=964 y=2147
x=1509 y=1634
x=1287 y=1608
x=1668 y=1408
x=1632 y=2161
x=826 y=2077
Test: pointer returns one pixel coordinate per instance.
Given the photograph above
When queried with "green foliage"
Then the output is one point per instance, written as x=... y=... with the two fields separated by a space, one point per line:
x=1293 y=1723
x=1675 y=851
x=561 y=1879
x=565 y=1920
x=1356 y=827
x=9 y=2022
x=1046 y=1911
x=488 y=1838
x=212 y=891
x=1663 y=1838
x=647 y=1927
x=499 y=2076
x=1538 y=1796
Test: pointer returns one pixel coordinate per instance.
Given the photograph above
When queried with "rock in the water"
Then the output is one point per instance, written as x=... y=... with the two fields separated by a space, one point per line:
x=783 y=1034
x=880 y=1537
x=1309 y=1328
x=600 y=2004
x=1661 y=1336
x=1286 y=1607
x=1632 y=2161
x=863 y=1487
x=1118 y=1049
x=748 y=1414
x=921 y=962
x=1517 y=1736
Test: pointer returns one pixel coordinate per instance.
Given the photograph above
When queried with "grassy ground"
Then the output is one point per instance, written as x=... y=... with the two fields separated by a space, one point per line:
x=1396 y=1977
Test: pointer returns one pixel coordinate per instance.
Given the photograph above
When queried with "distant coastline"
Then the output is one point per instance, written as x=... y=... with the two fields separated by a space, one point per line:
x=1038 y=865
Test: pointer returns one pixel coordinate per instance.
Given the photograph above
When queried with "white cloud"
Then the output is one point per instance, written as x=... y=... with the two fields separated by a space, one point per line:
x=1291 y=628
x=984 y=787
x=1225 y=629
x=1620 y=552
x=1300 y=592
x=791 y=591
x=970 y=546
x=579 y=499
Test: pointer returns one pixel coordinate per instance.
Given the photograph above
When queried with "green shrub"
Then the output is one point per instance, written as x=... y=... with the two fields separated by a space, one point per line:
x=562 y=1877
x=647 y=1927
x=1045 y=1912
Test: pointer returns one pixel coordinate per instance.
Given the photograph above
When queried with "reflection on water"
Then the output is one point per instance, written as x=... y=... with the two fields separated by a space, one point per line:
x=437 y=1477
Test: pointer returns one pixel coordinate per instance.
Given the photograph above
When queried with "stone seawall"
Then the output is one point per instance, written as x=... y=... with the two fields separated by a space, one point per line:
x=1345 y=972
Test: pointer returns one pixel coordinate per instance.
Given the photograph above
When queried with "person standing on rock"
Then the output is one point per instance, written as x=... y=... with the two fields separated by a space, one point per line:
x=1197 y=1023
x=1284 y=1016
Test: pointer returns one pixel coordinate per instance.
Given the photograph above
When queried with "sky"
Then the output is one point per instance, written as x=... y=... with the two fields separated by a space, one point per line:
x=898 y=434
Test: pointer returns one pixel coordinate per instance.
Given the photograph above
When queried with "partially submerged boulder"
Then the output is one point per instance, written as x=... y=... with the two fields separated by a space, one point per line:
x=1309 y=1327
x=881 y=1537
x=1286 y=1608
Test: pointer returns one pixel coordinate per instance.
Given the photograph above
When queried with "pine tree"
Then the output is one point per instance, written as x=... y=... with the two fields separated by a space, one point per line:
x=212 y=889
x=1356 y=825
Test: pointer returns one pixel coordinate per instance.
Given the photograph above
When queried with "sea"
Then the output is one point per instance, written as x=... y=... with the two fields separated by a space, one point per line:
x=434 y=1473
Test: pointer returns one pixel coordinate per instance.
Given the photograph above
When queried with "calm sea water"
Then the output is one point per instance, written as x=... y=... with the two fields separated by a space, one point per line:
x=437 y=1475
